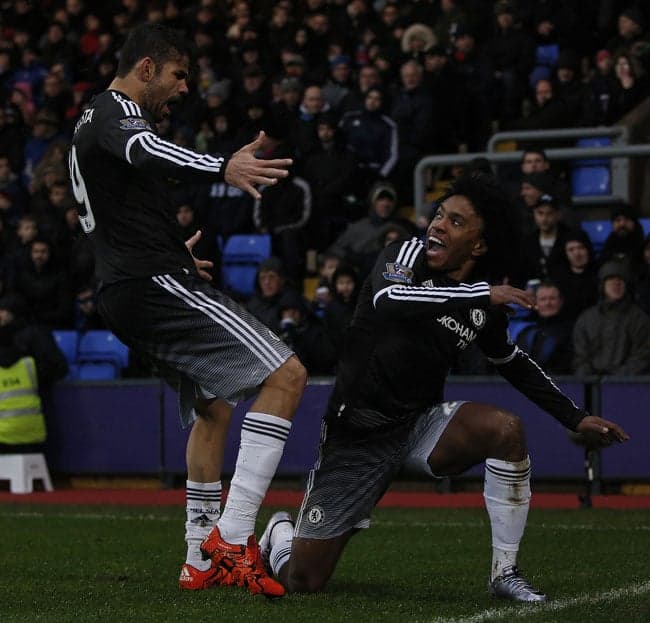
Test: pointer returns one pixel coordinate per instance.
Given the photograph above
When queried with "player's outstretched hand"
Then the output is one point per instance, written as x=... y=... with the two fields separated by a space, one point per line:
x=507 y=295
x=600 y=432
x=245 y=170
x=202 y=266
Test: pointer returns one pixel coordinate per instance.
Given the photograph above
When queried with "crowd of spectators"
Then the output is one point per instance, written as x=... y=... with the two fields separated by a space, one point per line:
x=356 y=92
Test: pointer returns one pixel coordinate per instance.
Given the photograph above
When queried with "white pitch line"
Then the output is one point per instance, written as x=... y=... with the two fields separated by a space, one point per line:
x=530 y=526
x=516 y=612
x=480 y=524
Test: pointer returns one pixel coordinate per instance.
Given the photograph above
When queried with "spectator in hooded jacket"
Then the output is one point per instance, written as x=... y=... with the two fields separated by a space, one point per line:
x=577 y=276
x=306 y=335
x=332 y=174
x=359 y=243
x=44 y=285
x=613 y=336
x=339 y=311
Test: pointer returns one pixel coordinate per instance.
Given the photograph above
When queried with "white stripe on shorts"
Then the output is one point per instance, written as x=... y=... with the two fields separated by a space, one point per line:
x=224 y=318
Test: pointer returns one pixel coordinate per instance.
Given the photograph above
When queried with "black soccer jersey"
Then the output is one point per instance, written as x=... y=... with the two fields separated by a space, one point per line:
x=410 y=324
x=120 y=171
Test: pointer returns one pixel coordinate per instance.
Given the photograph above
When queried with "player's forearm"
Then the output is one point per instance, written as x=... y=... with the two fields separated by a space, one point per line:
x=148 y=152
x=526 y=376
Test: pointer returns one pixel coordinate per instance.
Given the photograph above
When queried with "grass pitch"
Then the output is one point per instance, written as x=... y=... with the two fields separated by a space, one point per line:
x=120 y=564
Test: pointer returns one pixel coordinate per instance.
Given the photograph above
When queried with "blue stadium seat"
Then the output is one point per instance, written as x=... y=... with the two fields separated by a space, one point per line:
x=97 y=372
x=547 y=54
x=68 y=343
x=586 y=181
x=102 y=347
x=645 y=224
x=597 y=230
x=541 y=72
x=242 y=255
x=515 y=327
x=73 y=372
x=519 y=312
x=247 y=247
x=546 y=57
x=593 y=141
x=239 y=279
x=591 y=176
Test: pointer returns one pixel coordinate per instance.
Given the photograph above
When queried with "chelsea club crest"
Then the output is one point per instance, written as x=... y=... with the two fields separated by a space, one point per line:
x=477 y=317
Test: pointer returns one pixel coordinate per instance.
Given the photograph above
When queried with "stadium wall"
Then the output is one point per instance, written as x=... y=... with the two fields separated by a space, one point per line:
x=132 y=427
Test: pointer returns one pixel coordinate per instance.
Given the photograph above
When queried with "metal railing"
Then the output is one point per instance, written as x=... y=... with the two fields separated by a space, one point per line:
x=562 y=153
x=619 y=132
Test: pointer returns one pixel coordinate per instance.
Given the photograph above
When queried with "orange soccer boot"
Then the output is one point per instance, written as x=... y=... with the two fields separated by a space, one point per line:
x=242 y=563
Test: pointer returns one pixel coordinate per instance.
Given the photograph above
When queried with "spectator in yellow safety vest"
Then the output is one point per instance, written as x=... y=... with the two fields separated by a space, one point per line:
x=30 y=360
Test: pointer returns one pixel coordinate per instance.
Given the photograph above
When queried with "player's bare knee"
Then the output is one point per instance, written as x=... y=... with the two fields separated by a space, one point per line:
x=291 y=376
x=213 y=411
x=509 y=436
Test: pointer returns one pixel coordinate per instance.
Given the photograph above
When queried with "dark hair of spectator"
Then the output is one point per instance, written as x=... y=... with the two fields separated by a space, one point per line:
x=534 y=150
x=549 y=283
x=42 y=240
x=156 y=41
x=500 y=224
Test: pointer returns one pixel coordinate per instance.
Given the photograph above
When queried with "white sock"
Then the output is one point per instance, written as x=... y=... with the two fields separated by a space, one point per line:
x=281 y=540
x=203 y=507
x=507 y=498
x=262 y=441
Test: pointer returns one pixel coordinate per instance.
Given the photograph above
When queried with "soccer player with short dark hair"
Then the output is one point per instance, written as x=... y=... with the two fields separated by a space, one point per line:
x=155 y=298
x=423 y=303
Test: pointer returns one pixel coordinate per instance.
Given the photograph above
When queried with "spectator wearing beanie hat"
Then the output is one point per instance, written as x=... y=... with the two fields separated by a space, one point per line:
x=631 y=28
x=626 y=239
x=339 y=81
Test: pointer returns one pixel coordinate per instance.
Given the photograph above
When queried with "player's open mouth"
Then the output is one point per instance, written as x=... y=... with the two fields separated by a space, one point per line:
x=169 y=105
x=434 y=243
